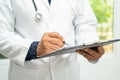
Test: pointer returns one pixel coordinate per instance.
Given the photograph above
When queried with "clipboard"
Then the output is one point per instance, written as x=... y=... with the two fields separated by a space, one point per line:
x=72 y=49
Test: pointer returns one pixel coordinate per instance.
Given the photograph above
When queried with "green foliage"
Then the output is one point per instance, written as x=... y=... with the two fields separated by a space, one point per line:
x=2 y=57
x=104 y=12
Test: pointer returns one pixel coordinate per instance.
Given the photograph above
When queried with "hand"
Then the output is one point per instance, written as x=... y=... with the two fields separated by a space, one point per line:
x=50 y=42
x=92 y=54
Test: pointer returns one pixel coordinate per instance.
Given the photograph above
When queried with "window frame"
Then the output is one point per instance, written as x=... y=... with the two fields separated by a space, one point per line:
x=116 y=26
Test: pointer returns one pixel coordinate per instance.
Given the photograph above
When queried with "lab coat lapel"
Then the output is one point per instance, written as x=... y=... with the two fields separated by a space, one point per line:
x=45 y=2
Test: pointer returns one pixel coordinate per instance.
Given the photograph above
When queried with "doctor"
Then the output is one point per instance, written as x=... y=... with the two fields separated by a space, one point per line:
x=30 y=28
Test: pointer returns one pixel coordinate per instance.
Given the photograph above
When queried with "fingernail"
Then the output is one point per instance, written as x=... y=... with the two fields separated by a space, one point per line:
x=86 y=50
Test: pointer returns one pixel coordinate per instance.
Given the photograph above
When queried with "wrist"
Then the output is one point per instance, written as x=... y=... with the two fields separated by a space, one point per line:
x=39 y=50
x=32 y=51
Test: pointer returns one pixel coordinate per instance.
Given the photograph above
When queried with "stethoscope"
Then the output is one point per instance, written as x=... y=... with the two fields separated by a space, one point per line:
x=38 y=16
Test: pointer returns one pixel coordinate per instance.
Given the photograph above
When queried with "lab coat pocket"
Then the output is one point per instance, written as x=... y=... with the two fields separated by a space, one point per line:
x=72 y=71
x=22 y=73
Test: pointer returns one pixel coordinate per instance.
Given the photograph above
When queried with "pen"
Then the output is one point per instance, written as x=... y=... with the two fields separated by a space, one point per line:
x=65 y=43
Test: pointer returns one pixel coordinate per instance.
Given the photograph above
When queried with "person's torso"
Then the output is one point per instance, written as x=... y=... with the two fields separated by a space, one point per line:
x=58 y=17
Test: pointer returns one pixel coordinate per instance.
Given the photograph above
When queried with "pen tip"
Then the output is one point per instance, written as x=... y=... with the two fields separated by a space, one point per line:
x=64 y=42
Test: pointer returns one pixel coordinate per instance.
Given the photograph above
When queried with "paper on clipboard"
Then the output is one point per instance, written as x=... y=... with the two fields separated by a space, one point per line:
x=72 y=49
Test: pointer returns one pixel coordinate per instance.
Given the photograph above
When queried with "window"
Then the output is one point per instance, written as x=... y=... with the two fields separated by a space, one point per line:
x=117 y=25
x=103 y=10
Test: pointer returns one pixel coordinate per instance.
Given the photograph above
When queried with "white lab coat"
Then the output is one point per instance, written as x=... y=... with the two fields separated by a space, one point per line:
x=73 y=19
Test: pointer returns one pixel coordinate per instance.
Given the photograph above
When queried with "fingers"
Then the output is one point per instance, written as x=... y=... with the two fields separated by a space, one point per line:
x=93 y=53
x=49 y=48
x=55 y=35
x=85 y=54
x=54 y=38
x=50 y=42
x=101 y=50
x=53 y=47
x=56 y=41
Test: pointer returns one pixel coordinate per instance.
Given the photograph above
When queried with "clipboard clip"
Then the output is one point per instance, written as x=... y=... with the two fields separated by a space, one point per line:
x=91 y=43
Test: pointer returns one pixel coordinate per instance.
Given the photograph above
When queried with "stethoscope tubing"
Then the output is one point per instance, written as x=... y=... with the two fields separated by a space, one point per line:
x=34 y=5
x=38 y=15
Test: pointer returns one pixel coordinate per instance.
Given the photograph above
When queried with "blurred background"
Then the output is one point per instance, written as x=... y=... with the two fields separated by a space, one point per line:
x=103 y=10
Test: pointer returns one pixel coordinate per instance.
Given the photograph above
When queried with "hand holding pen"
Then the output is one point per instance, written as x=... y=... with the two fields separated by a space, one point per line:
x=50 y=42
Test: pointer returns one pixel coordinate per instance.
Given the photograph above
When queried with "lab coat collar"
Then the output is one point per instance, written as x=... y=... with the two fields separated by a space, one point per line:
x=46 y=3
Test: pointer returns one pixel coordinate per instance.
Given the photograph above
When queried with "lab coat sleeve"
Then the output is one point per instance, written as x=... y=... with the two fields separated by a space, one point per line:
x=12 y=45
x=85 y=23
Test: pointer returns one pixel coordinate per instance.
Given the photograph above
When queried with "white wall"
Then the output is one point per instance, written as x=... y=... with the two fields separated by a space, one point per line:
x=108 y=68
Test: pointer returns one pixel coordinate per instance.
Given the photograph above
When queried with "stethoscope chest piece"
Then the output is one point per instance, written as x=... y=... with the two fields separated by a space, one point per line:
x=38 y=16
